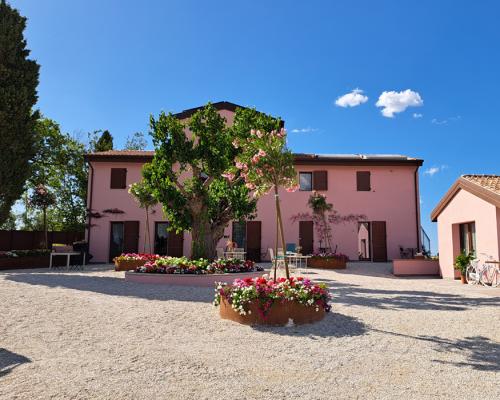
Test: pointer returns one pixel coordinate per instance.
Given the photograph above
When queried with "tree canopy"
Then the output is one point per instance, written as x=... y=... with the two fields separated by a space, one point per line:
x=187 y=174
x=18 y=96
x=104 y=143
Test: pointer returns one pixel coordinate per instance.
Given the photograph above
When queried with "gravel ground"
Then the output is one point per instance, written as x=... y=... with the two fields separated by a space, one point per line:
x=91 y=335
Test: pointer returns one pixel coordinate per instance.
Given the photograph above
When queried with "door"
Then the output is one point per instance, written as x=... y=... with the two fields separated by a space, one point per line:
x=239 y=234
x=116 y=240
x=175 y=244
x=306 y=236
x=253 y=239
x=161 y=238
x=379 y=241
x=131 y=236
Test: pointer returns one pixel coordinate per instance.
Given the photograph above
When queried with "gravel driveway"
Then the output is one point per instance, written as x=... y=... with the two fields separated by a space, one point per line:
x=91 y=335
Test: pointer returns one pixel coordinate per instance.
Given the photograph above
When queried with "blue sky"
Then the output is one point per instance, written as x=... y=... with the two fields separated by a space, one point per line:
x=110 y=64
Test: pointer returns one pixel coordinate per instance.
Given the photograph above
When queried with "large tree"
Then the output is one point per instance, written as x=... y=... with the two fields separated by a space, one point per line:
x=102 y=143
x=18 y=95
x=60 y=167
x=190 y=173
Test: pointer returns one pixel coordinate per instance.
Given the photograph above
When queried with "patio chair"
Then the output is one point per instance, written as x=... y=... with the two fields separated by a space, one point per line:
x=290 y=247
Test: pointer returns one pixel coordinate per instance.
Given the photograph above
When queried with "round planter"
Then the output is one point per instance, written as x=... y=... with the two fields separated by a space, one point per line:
x=326 y=262
x=128 y=265
x=279 y=314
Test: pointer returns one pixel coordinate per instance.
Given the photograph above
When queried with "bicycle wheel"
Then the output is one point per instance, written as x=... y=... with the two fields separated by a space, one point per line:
x=486 y=275
x=471 y=275
x=496 y=278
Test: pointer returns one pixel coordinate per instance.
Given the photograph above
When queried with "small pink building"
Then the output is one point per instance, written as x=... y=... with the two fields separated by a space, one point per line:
x=468 y=218
x=384 y=188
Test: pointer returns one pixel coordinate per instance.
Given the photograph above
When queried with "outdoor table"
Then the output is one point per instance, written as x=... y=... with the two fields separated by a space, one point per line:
x=299 y=258
x=68 y=256
x=492 y=262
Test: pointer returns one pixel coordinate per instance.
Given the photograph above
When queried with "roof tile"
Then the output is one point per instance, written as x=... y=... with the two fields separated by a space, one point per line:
x=490 y=182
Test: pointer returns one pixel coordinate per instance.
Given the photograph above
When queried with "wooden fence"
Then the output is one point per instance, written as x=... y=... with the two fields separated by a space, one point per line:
x=28 y=240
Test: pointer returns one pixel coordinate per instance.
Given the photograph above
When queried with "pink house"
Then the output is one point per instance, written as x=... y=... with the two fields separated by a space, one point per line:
x=384 y=188
x=468 y=218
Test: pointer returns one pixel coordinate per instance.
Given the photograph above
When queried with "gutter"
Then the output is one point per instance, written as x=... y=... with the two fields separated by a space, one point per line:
x=417 y=210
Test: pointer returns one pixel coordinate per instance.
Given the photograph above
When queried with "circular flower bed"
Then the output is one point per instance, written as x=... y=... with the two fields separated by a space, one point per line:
x=268 y=302
x=183 y=265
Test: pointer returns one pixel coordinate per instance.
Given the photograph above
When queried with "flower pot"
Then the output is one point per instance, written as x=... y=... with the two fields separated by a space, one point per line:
x=279 y=314
x=463 y=279
x=128 y=265
x=326 y=262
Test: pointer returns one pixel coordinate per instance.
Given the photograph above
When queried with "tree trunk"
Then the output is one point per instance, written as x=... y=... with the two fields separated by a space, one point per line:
x=205 y=238
x=282 y=233
x=46 y=244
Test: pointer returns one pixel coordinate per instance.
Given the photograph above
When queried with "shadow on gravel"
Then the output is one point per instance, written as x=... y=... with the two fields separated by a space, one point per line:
x=334 y=325
x=480 y=353
x=10 y=360
x=115 y=287
x=354 y=295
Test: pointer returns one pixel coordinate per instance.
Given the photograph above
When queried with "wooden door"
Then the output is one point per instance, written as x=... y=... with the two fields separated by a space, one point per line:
x=253 y=239
x=175 y=244
x=115 y=240
x=306 y=235
x=131 y=237
x=379 y=241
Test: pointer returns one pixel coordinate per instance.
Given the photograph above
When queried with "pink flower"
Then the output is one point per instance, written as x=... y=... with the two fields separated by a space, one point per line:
x=236 y=143
x=252 y=132
x=250 y=185
x=281 y=133
x=262 y=153
x=229 y=176
x=255 y=159
x=241 y=165
x=259 y=134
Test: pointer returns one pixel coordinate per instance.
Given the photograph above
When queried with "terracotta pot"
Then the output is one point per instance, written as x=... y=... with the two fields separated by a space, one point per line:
x=463 y=279
x=128 y=265
x=278 y=315
x=326 y=262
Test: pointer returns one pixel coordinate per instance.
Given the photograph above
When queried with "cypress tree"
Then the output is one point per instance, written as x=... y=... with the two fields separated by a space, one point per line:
x=105 y=142
x=18 y=95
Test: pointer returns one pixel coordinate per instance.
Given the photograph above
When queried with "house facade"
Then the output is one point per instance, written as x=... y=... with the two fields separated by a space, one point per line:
x=468 y=218
x=383 y=188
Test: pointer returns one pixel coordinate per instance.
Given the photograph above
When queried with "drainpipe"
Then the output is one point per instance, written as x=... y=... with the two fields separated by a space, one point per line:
x=417 y=210
x=89 y=205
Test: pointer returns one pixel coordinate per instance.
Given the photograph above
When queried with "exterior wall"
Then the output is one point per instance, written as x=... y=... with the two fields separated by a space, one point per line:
x=466 y=207
x=414 y=267
x=392 y=199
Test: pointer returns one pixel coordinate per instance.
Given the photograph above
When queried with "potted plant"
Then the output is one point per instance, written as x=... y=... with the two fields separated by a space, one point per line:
x=328 y=260
x=462 y=261
x=267 y=301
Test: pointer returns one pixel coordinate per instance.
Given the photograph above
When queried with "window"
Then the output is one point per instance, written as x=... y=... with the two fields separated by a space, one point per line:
x=363 y=181
x=239 y=235
x=305 y=181
x=468 y=237
x=320 y=180
x=118 y=178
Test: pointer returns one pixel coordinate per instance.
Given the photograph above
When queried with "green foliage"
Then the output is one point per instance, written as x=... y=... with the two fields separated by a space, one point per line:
x=42 y=198
x=59 y=166
x=136 y=142
x=104 y=143
x=142 y=194
x=318 y=204
x=10 y=223
x=187 y=174
x=18 y=83
x=462 y=261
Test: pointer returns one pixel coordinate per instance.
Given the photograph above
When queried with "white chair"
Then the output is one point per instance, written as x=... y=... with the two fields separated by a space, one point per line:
x=277 y=262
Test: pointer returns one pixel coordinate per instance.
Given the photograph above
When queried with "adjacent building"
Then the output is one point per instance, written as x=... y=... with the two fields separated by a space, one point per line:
x=468 y=218
x=384 y=188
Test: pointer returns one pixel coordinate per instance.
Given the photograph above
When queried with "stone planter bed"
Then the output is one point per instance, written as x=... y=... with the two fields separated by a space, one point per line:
x=128 y=265
x=280 y=314
x=203 y=280
x=326 y=263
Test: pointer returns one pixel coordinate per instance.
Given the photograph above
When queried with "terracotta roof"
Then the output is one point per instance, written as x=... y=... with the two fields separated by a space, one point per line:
x=486 y=187
x=490 y=182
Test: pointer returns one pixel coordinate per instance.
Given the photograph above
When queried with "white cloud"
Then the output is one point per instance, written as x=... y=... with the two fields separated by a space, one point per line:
x=417 y=115
x=434 y=170
x=436 y=121
x=304 y=130
x=395 y=102
x=352 y=99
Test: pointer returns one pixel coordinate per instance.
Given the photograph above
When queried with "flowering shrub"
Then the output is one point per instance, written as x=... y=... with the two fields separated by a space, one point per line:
x=337 y=256
x=267 y=291
x=183 y=265
x=136 y=256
